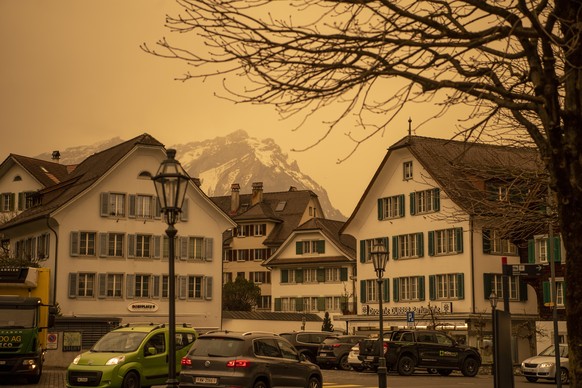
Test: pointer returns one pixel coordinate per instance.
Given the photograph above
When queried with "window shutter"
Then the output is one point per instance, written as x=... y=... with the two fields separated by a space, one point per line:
x=461 y=285
x=12 y=198
x=156 y=286
x=102 y=244
x=437 y=199
x=487 y=279
x=298 y=248
x=362 y=251
x=284 y=276
x=72 y=285
x=104 y=204
x=395 y=247
x=522 y=289
x=183 y=248
x=363 y=291
x=130 y=286
x=208 y=290
x=380 y=209
x=208 y=248
x=102 y=285
x=320 y=246
x=486 y=236
x=343 y=274
x=21 y=200
x=557 y=250
x=421 y=287
x=420 y=244
x=74 y=243
x=157 y=208
x=531 y=251
x=321 y=275
x=431 y=287
x=412 y=204
x=386 y=290
x=459 y=240
x=401 y=205
x=298 y=304
x=547 y=291
x=321 y=303
x=431 y=243
x=131 y=209
x=298 y=276
x=395 y=284
x=277 y=304
x=157 y=251
x=184 y=212
x=386 y=243
x=131 y=245
x=183 y=287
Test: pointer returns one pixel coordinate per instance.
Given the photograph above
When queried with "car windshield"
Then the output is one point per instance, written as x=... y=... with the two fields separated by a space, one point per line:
x=217 y=347
x=119 y=342
x=550 y=351
x=16 y=317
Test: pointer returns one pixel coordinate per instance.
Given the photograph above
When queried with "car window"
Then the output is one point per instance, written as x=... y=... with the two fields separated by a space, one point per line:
x=119 y=341
x=266 y=347
x=217 y=347
x=406 y=337
x=157 y=343
x=316 y=338
x=331 y=340
x=426 y=337
x=184 y=339
x=443 y=339
x=287 y=350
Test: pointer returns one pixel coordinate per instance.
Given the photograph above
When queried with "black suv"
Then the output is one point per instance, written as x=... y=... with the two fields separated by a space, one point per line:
x=307 y=342
x=252 y=359
x=334 y=351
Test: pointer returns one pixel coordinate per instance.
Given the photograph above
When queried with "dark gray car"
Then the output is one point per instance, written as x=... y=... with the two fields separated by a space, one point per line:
x=251 y=359
x=333 y=352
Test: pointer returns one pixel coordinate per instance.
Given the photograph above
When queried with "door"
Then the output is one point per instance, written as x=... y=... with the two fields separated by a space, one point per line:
x=155 y=359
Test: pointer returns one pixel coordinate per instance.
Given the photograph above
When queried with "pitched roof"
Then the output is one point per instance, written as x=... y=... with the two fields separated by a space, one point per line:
x=462 y=168
x=45 y=172
x=285 y=208
x=80 y=179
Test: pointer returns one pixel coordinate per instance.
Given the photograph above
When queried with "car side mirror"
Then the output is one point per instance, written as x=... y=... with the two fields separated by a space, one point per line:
x=303 y=357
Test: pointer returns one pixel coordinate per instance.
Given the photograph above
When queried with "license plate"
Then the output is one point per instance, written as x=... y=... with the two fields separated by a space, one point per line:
x=206 y=380
x=2 y=362
x=82 y=379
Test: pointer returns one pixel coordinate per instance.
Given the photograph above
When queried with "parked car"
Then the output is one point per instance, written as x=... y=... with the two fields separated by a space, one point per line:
x=353 y=360
x=333 y=352
x=251 y=359
x=307 y=342
x=130 y=356
x=543 y=366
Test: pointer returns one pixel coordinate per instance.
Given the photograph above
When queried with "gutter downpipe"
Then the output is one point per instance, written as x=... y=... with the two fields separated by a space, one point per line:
x=471 y=225
x=54 y=296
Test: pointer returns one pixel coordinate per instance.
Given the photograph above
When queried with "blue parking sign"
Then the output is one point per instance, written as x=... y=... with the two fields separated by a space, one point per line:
x=410 y=316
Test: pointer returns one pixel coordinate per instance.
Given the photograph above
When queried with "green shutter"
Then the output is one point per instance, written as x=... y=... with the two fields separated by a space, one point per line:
x=298 y=304
x=395 y=283
x=557 y=250
x=284 y=276
x=363 y=291
x=343 y=274
x=277 y=304
x=401 y=205
x=421 y=287
x=531 y=251
x=320 y=246
x=547 y=291
x=21 y=200
x=386 y=243
x=459 y=240
x=431 y=243
x=420 y=244
x=362 y=251
x=386 y=290
x=298 y=276
x=395 y=247
x=431 y=287
x=412 y=204
x=461 y=285
x=298 y=248
x=486 y=236
x=321 y=303
x=487 y=279
x=380 y=209
x=437 y=199
x=321 y=275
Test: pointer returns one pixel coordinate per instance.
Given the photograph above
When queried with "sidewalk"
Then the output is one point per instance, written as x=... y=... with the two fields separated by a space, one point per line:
x=51 y=378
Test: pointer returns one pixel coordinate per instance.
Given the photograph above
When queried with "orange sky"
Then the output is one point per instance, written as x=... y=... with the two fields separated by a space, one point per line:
x=72 y=73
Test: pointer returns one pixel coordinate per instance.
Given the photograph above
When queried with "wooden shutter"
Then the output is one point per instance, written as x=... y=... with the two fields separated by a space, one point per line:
x=298 y=248
x=208 y=288
x=102 y=291
x=298 y=276
x=277 y=304
x=459 y=240
x=362 y=251
x=431 y=243
x=401 y=205
x=130 y=286
x=156 y=286
x=104 y=205
x=131 y=210
x=412 y=203
x=420 y=243
x=72 y=285
x=487 y=280
x=486 y=236
x=184 y=212
x=183 y=287
x=343 y=274
x=74 y=244
x=321 y=303
x=395 y=284
x=380 y=209
x=208 y=250
x=437 y=199
x=547 y=292
x=21 y=200
x=522 y=289
x=284 y=276
x=431 y=287
x=103 y=244
x=421 y=288
x=395 y=247
x=320 y=246
x=157 y=248
x=531 y=251
x=363 y=291
x=183 y=248
x=131 y=245
x=461 y=285
x=321 y=275
x=386 y=290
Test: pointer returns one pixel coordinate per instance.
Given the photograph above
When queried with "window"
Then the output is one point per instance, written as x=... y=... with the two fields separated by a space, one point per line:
x=24 y=200
x=426 y=201
x=290 y=276
x=142 y=245
x=142 y=286
x=310 y=275
x=110 y=286
x=409 y=288
x=195 y=287
x=445 y=241
x=111 y=244
x=226 y=277
x=195 y=248
x=332 y=303
x=310 y=304
x=494 y=283
x=391 y=207
x=408 y=246
x=264 y=302
x=86 y=284
x=407 y=170
x=560 y=293
x=83 y=243
x=541 y=248
x=495 y=245
x=311 y=246
x=42 y=246
x=288 y=304
x=147 y=207
x=260 y=277
x=112 y=205
x=7 y=202
x=371 y=291
x=446 y=286
x=332 y=275
x=251 y=230
x=366 y=248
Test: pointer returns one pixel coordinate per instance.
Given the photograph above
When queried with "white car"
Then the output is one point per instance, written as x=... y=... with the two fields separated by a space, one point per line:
x=353 y=360
x=543 y=366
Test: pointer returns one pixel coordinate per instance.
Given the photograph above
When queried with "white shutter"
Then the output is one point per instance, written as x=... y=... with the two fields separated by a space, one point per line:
x=102 y=292
x=208 y=251
x=104 y=204
x=208 y=288
x=74 y=243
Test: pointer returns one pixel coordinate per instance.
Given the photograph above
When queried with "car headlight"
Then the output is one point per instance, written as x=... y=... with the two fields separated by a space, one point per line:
x=76 y=360
x=115 y=360
x=546 y=364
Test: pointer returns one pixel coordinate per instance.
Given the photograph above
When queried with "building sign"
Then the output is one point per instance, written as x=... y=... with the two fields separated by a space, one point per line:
x=71 y=341
x=403 y=311
x=141 y=307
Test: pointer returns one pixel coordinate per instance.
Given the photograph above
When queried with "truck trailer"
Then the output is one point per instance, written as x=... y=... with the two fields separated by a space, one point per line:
x=25 y=317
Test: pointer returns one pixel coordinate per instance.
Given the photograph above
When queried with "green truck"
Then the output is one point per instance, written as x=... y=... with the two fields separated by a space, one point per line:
x=25 y=317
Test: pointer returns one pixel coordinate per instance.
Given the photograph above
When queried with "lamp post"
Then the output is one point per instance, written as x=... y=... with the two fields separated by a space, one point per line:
x=171 y=182
x=493 y=301
x=379 y=255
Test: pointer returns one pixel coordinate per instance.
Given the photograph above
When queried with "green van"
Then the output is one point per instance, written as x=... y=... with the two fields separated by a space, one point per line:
x=131 y=356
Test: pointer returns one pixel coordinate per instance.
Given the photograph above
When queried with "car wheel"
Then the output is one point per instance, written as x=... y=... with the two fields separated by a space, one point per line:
x=131 y=380
x=406 y=366
x=314 y=383
x=531 y=379
x=470 y=367
x=260 y=384
x=444 y=372
x=343 y=362
x=431 y=371
x=564 y=377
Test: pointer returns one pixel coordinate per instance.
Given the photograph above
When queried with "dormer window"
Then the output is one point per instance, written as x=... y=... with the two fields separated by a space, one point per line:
x=145 y=175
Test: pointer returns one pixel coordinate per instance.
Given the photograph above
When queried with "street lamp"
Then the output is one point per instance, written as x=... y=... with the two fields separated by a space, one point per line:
x=379 y=255
x=171 y=182
x=493 y=301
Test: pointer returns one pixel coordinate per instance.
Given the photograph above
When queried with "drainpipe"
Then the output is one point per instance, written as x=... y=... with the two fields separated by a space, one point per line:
x=471 y=225
x=54 y=298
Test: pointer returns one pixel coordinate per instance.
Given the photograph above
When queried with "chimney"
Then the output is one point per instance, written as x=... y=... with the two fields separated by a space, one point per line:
x=292 y=188
x=234 y=198
x=56 y=156
x=257 y=195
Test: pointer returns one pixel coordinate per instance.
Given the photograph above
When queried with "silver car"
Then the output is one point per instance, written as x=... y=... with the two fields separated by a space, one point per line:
x=543 y=366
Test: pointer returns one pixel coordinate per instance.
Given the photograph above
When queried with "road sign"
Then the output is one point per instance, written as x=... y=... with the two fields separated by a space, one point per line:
x=410 y=318
x=527 y=269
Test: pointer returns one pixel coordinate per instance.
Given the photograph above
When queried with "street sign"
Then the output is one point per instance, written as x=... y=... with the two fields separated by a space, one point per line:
x=527 y=269
x=410 y=318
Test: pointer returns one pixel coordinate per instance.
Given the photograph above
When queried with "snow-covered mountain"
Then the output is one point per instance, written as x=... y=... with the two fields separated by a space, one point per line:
x=222 y=161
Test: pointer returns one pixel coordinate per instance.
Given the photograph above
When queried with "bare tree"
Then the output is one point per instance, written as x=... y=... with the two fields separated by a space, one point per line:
x=517 y=63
